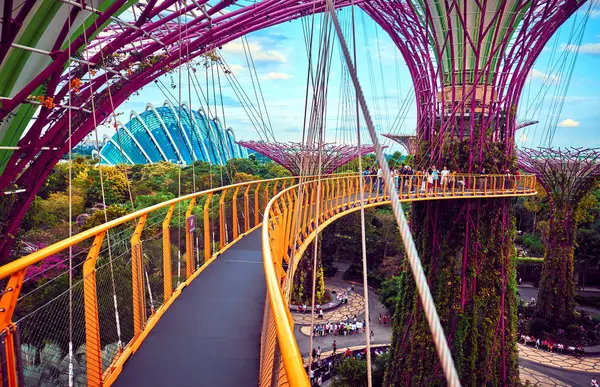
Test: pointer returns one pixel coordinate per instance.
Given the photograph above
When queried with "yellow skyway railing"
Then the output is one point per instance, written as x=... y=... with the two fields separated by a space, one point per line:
x=290 y=224
x=138 y=263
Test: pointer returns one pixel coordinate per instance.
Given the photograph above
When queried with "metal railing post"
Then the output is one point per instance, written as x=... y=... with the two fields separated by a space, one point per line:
x=167 y=276
x=256 y=211
x=8 y=303
x=189 y=241
x=234 y=215
x=246 y=209
x=92 y=322
x=222 y=220
x=207 y=240
x=137 y=278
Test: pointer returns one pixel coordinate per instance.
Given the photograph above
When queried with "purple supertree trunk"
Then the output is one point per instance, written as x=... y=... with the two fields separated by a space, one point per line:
x=469 y=61
x=566 y=175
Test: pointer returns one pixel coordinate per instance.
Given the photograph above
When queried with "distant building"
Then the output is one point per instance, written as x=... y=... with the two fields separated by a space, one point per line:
x=170 y=133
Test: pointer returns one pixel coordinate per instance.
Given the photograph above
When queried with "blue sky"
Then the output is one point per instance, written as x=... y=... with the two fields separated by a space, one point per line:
x=280 y=59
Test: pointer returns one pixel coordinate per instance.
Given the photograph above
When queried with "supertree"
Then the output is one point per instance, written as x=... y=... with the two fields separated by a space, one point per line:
x=298 y=158
x=468 y=61
x=567 y=175
x=407 y=141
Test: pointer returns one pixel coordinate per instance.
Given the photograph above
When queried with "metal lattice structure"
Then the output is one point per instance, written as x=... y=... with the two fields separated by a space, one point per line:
x=407 y=141
x=297 y=158
x=469 y=61
x=170 y=133
x=566 y=175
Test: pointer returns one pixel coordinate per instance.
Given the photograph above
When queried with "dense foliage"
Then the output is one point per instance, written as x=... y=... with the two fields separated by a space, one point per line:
x=465 y=247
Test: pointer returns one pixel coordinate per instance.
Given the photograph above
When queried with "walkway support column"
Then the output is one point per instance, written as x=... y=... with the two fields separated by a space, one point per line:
x=166 y=234
x=92 y=323
x=137 y=278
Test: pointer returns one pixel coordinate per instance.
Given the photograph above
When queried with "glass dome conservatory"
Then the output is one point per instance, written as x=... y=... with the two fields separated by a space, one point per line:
x=169 y=133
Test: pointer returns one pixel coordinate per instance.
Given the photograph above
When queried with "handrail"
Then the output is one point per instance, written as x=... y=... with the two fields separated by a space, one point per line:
x=278 y=244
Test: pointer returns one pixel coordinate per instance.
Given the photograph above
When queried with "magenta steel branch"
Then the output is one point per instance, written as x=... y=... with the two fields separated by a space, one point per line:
x=407 y=141
x=293 y=156
x=468 y=74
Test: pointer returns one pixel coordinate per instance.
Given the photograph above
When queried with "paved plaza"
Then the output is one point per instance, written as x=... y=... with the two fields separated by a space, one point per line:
x=354 y=307
x=539 y=367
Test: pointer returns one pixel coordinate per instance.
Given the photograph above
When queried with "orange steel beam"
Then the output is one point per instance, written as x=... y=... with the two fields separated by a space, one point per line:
x=167 y=275
x=246 y=210
x=222 y=220
x=207 y=240
x=189 y=241
x=234 y=213
x=256 y=211
x=92 y=321
x=137 y=279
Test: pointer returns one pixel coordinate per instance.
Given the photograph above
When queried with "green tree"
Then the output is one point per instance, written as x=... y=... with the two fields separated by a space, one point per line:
x=350 y=372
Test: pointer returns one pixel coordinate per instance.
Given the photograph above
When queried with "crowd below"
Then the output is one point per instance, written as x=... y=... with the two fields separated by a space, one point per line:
x=550 y=346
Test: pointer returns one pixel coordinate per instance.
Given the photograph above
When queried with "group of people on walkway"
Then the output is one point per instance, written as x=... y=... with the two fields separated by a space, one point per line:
x=429 y=179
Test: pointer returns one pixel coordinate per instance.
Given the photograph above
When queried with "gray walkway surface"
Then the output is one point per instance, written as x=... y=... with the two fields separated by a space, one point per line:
x=210 y=336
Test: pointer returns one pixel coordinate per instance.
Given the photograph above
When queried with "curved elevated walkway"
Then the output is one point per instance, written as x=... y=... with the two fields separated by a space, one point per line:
x=211 y=334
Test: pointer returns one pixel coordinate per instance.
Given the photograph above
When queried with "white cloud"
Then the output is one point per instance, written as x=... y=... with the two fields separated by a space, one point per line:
x=594 y=13
x=273 y=75
x=548 y=79
x=568 y=123
x=585 y=48
x=256 y=49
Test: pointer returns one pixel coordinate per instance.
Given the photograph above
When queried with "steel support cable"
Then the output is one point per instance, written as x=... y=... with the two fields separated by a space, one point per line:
x=431 y=315
x=543 y=91
x=363 y=234
x=251 y=69
x=70 y=117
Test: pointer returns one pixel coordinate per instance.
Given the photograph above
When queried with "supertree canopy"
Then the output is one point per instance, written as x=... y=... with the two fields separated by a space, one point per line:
x=407 y=141
x=566 y=175
x=468 y=61
x=297 y=158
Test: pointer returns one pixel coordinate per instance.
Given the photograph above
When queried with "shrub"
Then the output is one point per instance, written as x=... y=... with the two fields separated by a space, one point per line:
x=350 y=372
x=572 y=331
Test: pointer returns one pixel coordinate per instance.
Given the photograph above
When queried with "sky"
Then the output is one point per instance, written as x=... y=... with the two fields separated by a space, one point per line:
x=280 y=60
